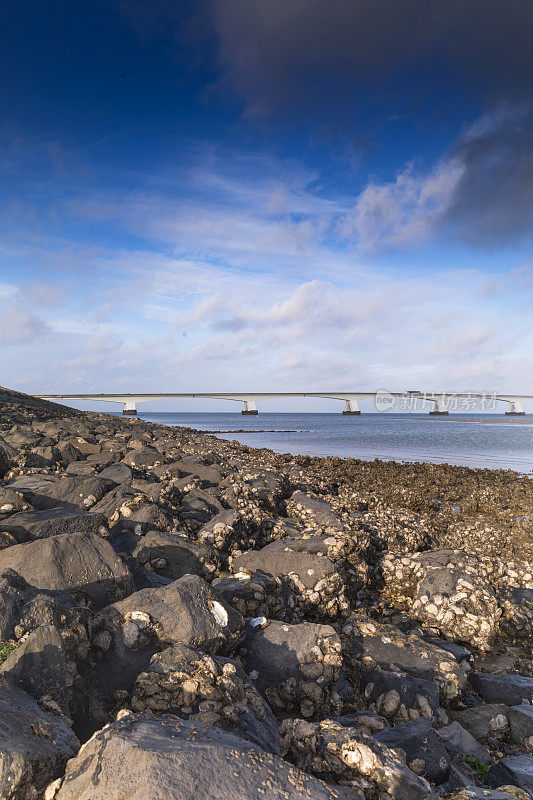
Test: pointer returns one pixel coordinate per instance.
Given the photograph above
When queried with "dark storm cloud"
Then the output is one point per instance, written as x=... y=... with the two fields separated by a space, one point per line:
x=321 y=57
x=493 y=201
x=274 y=51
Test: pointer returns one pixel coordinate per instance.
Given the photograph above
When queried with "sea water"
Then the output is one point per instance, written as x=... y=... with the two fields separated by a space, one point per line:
x=466 y=440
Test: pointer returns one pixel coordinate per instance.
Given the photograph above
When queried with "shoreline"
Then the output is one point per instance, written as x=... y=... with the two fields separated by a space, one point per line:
x=175 y=571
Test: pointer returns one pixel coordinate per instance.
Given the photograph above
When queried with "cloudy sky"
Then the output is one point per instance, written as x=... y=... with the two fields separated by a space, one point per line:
x=266 y=195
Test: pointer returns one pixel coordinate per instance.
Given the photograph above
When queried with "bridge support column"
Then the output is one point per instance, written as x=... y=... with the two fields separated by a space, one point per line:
x=351 y=408
x=439 y=408
x=250 y=408
x=129 y=409
x=515 y=409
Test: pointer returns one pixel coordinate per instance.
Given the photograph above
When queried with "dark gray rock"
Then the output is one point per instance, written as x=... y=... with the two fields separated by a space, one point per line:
x=512 y=690
x=378 y=682
x=144 y=757
x=374 y=644
x=309 y=568
x=34 y=745
x=117 y=473
x=521 y=722
x=516 y=771
x=83 y=492
x=477 y=721
x=419 y=742
x=4 y=462
x=314 y=509
x=173 y=556
x=39 y=666
x=186 y=612
x=209 y=474
x=71 y=562
x=294 y=666
x=183 y=682
x=457 y=739
x=30 y=525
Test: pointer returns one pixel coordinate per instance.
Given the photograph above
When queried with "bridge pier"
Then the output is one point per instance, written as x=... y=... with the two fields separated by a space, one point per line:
x=515 y=409
x=439 y=408
x=351 y=408
x=129 y=409
x=250 y=408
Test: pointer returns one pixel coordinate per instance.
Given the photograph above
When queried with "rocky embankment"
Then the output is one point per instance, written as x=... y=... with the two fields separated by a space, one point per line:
x=183 y=617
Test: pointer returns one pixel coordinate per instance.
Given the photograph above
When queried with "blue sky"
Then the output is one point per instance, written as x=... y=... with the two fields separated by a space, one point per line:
x=230 y=195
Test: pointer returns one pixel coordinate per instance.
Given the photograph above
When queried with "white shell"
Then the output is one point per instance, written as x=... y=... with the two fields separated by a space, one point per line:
x=219 y=612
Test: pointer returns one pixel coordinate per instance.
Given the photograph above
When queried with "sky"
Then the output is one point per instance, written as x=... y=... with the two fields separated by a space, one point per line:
x=262 y=195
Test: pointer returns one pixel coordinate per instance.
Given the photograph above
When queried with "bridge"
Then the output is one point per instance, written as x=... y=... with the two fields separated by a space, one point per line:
x=441 y=402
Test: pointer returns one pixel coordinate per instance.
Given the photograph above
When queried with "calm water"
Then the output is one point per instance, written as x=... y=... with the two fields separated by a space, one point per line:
x=394 y=438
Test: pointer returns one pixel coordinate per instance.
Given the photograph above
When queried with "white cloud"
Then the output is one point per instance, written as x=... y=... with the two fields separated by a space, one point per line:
x=404 y=211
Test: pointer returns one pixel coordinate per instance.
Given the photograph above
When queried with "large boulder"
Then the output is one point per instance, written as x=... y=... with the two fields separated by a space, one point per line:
x=173 y=555
x=142 y=757
x=210 y=689
x=296 y=667
x=72 y=562
x=369 y=644
x=312 y=578
x=445 y=589
x=34 y=745
x=30 y=525
x=185 y=612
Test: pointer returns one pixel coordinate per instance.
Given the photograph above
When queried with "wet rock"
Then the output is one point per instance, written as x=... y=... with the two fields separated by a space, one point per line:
x=145 y=757
x=35 y=745
x=516 y=771
x=457 y=739
x=30 y=525
x=209 y=689
x=508 y=689
x=72 y=562
x=296 y=667
x=340 y=753
x=173 y=555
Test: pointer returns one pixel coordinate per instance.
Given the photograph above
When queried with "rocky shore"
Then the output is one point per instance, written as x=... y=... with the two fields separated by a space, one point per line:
x=188 y=618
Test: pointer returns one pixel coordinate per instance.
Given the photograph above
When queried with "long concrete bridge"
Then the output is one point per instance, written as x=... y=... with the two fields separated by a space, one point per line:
x=441 y=402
